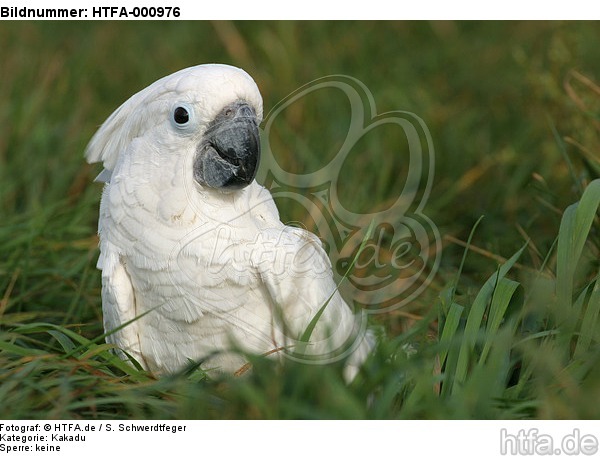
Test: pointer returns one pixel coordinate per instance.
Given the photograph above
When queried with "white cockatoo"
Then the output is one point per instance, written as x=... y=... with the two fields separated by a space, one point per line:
x=195 y=260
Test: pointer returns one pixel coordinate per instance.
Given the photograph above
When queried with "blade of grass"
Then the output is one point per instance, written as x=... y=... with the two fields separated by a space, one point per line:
x=475 y=317
x=565 y=154
x=573 y=232
x=450 y=330
x=503 y=294
x=464 y=257
x=88 y=347
x=21 y=351
x=64 y=341
x=589 y=325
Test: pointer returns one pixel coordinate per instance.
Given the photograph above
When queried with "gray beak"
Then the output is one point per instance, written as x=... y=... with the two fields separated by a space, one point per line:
x=229 y=153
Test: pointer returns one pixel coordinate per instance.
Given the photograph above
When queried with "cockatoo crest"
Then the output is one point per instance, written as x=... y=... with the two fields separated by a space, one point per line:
x=208 y=87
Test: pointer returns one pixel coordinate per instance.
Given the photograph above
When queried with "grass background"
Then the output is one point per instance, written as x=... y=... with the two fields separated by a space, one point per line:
x=507 y=329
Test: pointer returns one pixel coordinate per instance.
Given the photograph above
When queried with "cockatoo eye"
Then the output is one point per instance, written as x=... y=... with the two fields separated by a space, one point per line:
x=182 y=115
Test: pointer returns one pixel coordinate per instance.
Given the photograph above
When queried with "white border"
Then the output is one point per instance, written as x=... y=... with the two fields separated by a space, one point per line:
x=349 y=10
x=301 y=438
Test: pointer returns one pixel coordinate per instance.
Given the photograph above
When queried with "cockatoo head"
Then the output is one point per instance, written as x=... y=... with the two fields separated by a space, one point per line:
x=200 y=123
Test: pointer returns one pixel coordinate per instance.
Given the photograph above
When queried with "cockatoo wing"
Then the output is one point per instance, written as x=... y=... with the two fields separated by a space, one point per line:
x=302 y=290
x=118 y=306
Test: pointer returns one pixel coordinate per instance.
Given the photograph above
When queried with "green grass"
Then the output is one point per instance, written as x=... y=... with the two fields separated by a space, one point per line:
x=509 y=327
